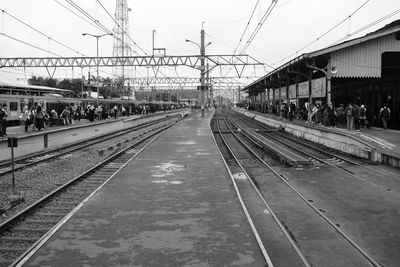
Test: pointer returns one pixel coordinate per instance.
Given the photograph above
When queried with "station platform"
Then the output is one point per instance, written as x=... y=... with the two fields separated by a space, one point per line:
x=174 y=205
x=35 y=141
x=375 y=143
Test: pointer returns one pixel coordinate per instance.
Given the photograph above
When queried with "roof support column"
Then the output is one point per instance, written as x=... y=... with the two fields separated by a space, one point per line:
x=297 y=90
x=287 y=92
x=328 y=83
x=309 y=86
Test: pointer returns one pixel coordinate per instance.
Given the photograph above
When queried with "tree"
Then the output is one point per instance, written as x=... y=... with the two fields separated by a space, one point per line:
x=74 y=85
x=40 y=81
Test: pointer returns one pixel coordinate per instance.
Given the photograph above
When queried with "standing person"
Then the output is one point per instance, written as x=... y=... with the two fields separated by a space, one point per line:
x=356 y=115
x=33 y=117
x=71 y=115
x=115 y=111
x=127 y=111
x=100 y=112
x=363 y=116
x=349 y=116
x=384 y=114
x=91 y=111
x=79 y=112
x=3 y=120
x=65 y=115
x=292 y=110
x=25 y=117
x=53 y=117
x=330 y=113
x=123 y=110
x=39 y=118
x=309 y=113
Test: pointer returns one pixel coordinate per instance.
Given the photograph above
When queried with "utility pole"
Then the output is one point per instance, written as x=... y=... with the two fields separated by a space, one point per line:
x=202 y=66
x=208 y=86
x=202 y=70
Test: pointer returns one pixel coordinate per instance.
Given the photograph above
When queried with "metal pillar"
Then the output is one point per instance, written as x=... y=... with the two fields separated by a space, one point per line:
x=202 y=70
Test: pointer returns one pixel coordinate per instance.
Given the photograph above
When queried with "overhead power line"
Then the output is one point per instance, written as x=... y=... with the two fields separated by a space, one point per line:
x=79 y=16
x=324 y=34
x=41 y=33
x=259 y=25
x=29 y=44
x=367 y=26
x=121 y=27
x=247 y=26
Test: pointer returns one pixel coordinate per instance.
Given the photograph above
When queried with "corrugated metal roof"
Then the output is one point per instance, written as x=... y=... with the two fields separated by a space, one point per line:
x=365 y=59
x=25 y=86
x=359 y=57
x=356 y=41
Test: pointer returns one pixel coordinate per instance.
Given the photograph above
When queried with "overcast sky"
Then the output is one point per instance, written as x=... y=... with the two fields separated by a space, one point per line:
x=292 y=25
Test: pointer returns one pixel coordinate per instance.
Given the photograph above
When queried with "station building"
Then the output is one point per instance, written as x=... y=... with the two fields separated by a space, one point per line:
x=363 y=71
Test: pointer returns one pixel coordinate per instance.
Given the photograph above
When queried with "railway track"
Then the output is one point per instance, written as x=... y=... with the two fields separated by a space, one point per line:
x=25 y=231
x=318 y=154
x=286 y=208
x=40 y=157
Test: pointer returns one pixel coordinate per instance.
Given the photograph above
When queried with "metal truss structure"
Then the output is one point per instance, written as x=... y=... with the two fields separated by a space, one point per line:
x=239 y=62
x=217 y=89
x=183 y=81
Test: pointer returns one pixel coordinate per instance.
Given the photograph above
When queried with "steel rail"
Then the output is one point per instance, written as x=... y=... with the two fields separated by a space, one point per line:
x=72 y=147
x=8 y=224
x=332 y=224
x=331 y=164
x=276 y=219
x=245 y=210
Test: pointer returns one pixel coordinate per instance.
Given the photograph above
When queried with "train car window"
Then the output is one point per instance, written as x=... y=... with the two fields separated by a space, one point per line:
x=13 y=106
x=13 y=109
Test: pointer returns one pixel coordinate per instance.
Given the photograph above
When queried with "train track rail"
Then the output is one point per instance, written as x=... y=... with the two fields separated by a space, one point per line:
x=24 y=232
x=248 y=167
x=319 y=155
x=50 y=154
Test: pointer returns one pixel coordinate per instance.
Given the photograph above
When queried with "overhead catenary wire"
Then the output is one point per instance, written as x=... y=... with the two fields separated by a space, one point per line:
x=367 y=26
x=108 y=13
x=324 y=34
x=104 y=28
x=41 y=33
x=29 y=44
x=79 y=16
x=247 y=26
x=259 y=25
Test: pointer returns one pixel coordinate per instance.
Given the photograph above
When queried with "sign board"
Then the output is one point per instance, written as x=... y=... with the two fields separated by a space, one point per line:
x=12 y=142
x=200 y=87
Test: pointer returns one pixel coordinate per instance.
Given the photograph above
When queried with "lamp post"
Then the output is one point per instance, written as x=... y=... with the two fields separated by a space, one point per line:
x=202 y=67
x=97 y=57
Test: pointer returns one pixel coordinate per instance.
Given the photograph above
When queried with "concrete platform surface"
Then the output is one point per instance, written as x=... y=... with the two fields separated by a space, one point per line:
x=384 y=144
x=172 y=206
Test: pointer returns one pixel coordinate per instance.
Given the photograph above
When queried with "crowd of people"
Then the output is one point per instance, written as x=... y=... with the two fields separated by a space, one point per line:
x=353 y=116
x=37 y=118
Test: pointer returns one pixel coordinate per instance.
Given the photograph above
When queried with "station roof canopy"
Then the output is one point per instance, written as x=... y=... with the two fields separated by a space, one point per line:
x=34 y=87
x=357 y=58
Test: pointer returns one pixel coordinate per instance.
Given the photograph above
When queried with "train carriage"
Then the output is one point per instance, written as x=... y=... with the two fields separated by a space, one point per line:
x=17 y=96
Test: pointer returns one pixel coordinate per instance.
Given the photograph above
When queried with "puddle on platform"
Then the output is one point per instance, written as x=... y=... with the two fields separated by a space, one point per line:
x=166 y=182
x=186 y=143
x=239 y=176
x=166 y=169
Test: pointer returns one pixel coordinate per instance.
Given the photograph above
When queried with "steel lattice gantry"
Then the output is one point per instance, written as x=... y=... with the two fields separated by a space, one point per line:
x=239 y=62
x=183 y=80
